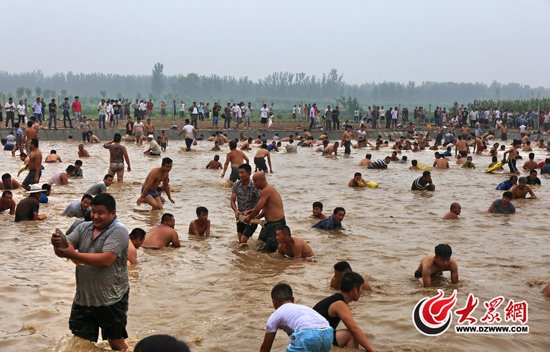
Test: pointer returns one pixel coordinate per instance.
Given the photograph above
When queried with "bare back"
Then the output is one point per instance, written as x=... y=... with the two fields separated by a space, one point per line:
x=161 y=236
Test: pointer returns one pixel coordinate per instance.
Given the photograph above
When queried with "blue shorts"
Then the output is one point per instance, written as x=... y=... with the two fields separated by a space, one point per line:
x=150 y=193
x=234 y=174
x=311 y=340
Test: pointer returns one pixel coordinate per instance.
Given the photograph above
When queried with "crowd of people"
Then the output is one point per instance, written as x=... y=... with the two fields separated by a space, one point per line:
x=104 y=248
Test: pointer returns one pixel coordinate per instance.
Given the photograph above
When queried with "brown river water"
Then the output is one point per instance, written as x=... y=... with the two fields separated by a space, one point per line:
x=215 y=295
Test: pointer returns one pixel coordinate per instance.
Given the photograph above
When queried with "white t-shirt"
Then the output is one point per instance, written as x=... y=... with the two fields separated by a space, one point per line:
x=394 y=114
x=9 y=107
x=154 y=147
x=295 y=317
x=195 y=111
x=294 y=110
x=522 y=128
x=20 y=109
x=238 y=111
x=139 y=127
x=263 y=112
x=182 y=107
x=189 y=131
x=361 y=134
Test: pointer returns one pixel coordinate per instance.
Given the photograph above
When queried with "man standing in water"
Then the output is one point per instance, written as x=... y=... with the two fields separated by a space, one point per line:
x=118 y=155
x=244 y=198
x=346 y=139
x=237 y=158
x=34 y=165
x=102 y=288
x=190 y=134
x=270 y=206
x=152 y=181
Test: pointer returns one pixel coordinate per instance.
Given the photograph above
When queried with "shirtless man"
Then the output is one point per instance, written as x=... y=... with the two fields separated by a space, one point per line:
x=214 y=164
x=435 y=264
x=527 y=147
x=53 y=157
x=270 y=206
x=137 y=236
x=293 y=247
x=29 y=134
x=259 y=159
x=504 y=132
x=82 y=153
x=346 y=139
x=530 y=164
x=357 y=181
x=7 y=202
x=331 y=149
x=317 y=211
x=247 y=144
x=163 y=235
x=34 y=166
x=149 y=187
x=201 y=225
x=118 y=154
x=236 y=157
x=367 y=161
x=521 y=189
x=478 y=144
x=513 y=151
x=462 y=147
x=454 y=212
x=340 y=269
x=440 y=163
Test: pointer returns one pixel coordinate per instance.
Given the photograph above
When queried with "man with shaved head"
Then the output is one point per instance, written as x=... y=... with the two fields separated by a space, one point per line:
x=454 y=212
x=270 y=206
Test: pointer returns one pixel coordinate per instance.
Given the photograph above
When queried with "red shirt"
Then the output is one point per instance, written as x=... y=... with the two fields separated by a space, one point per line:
x=149 y=106
x=76 y=106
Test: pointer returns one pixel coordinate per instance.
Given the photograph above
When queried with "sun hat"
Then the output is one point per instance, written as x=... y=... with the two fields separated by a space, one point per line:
x=35 y=188
x=151 y=136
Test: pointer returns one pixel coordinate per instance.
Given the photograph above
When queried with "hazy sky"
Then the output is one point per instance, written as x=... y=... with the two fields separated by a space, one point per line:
x=390 y=40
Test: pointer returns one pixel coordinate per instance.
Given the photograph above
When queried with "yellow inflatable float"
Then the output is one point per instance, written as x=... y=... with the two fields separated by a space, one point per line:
x=495 y=167
x=424 y=167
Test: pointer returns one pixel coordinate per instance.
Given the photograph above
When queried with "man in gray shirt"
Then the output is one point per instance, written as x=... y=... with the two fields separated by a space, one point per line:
x=100 y=250
x=100 y=187
x=244 y=198
x=66 y=113
x=78 y=209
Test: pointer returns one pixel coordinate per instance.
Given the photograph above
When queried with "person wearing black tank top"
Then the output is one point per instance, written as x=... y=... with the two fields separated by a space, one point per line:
x=335 y=309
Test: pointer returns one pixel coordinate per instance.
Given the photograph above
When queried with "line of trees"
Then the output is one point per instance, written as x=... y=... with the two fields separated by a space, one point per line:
x=282 y=88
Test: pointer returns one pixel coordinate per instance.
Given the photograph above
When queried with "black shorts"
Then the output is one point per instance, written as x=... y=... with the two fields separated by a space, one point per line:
x=260 y=163
x=263 y=120
x=246 y=229
x=86 y=321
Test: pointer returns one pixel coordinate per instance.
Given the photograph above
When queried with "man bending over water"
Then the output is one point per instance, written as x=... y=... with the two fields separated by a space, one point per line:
x=293 y=247
x=435 y=264
x=149 y=192
x=162 y=235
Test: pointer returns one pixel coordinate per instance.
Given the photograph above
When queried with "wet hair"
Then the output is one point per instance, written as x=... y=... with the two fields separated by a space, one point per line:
x=357 y=174
x=70 y=168
x=34 y=142
x=216 y=157
x=286 y=230
x=454 y=205
x=106 y=200
x=342 y=267
x=78 y=162
x=281 y=293
x=426 y=174
x=232 y=145
x=161 y=343
x=318 y=205
x=6 y=177
x=351 y=280
x=166 y=217
x=495 y=159
x=201 y=210
x=512 y=177
x=522 y=179
x=117 y=137
x=166 y=161
x=87 y=196
x=533 y=172
x=46 y=187
x=337 y=209
x=107 y=176
x=137 y=233
x=414 y=162
x=7 y=193
x=443 y=250
x=246 y=167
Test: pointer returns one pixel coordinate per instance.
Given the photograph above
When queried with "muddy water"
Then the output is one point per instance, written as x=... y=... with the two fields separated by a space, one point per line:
x=215 y=295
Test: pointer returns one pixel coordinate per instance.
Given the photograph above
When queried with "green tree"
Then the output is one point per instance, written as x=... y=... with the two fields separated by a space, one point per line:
x=157 y=81
x=103 y=93
x=38 y=91
x=20 y=91
x=28 y=92
x=63 y=93
x=139 y=96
